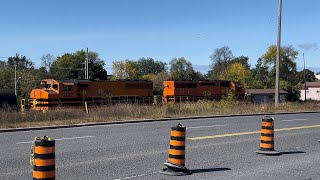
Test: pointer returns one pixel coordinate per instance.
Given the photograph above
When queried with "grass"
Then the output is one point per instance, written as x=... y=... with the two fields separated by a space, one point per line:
x=123 y=112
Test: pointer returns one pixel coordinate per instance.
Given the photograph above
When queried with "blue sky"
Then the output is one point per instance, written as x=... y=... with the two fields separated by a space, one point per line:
x=161 y=29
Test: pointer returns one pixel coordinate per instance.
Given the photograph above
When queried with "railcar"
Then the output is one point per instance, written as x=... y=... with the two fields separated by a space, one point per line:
x=76 y=92
x=181 y=91
x=7 y=98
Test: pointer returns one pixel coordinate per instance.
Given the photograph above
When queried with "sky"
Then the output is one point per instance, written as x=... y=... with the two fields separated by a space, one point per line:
x=161 y=29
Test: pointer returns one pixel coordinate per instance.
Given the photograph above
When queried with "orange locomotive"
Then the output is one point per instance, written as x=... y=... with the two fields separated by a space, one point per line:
x=180 y=91
x=76 y=92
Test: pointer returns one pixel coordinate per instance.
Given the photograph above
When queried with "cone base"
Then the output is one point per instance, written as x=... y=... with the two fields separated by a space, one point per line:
x=175 y=170
x=274 y=153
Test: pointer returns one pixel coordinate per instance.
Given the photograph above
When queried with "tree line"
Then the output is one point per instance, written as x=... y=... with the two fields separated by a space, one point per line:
x=224 y=66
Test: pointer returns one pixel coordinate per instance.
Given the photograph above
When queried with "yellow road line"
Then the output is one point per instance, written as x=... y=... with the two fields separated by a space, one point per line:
x=250 y=132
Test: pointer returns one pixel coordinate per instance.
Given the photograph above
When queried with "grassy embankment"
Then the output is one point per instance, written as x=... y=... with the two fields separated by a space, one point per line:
x=122 y=112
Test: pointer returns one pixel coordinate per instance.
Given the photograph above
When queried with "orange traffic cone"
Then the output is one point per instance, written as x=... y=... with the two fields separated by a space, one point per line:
x=267 y=137
x=176 y=161
x=43 y=158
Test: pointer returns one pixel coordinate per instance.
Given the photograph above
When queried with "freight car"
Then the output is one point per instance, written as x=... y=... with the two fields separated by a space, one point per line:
x=76 y=92
x=8 y=98
x=181 y=91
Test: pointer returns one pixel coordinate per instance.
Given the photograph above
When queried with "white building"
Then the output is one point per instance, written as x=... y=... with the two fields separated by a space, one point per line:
x=312 y=91
x=318 y=76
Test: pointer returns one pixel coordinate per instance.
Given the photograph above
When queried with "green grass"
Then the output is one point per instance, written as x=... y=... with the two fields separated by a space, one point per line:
x=123 y=112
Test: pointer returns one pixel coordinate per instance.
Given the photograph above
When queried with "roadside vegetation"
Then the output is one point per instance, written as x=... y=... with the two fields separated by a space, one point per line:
x=127 y=112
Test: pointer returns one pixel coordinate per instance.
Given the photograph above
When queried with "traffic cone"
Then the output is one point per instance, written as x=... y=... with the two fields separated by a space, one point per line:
x=267 y=137
x=176 y=161
x=43 y=158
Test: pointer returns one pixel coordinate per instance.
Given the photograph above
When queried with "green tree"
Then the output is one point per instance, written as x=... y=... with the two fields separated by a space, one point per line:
x=181 y=69
x=71 y=66
x=132 y=70
x=21 y=62
x=287 y=66
x=306 y=76
x=239 y=73
x=220 y=62
x=260 y=76
x=157 y=80
x=150 y=66
x=244 y=60
x=27 y=76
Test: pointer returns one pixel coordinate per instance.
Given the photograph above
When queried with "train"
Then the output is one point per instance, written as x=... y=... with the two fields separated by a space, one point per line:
x=71 y=93
x=181 y=91
x=76 y=92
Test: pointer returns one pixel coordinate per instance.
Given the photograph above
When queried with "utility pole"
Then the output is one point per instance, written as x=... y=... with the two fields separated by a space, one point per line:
x=85 y=68
x=15 y=79
x=304 y=78
x=278 y=56
x=87 y=61
x=15 y=75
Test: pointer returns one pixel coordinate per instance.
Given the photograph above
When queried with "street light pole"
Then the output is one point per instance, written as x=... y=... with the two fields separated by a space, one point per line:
x=278 y=56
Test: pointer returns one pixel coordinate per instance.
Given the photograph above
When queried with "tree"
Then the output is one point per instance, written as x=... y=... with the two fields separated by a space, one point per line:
x=287 y=62
x=150 y=66
x=181 y=69
x=220 y=62
x=47 y=60
x=260 y=76
x=71 y=66
x=157 y=80
x=239 y=73
x=287 y=66
x=126 y=69
x=132 y=70
x=119 y=70
x=27 y=77
x=306 y=76
x=21 y=62
x=244 y=60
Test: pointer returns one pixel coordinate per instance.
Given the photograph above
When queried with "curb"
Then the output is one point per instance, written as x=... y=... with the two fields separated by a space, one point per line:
x=139 y=121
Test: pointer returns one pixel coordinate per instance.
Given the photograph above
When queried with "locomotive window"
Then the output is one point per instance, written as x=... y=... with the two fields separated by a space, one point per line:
x=192 y=85
x=224 y=84
x=67 y=88
x=55 y=86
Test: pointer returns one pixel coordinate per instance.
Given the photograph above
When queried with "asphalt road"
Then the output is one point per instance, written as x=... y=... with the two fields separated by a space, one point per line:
x=217 y=148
